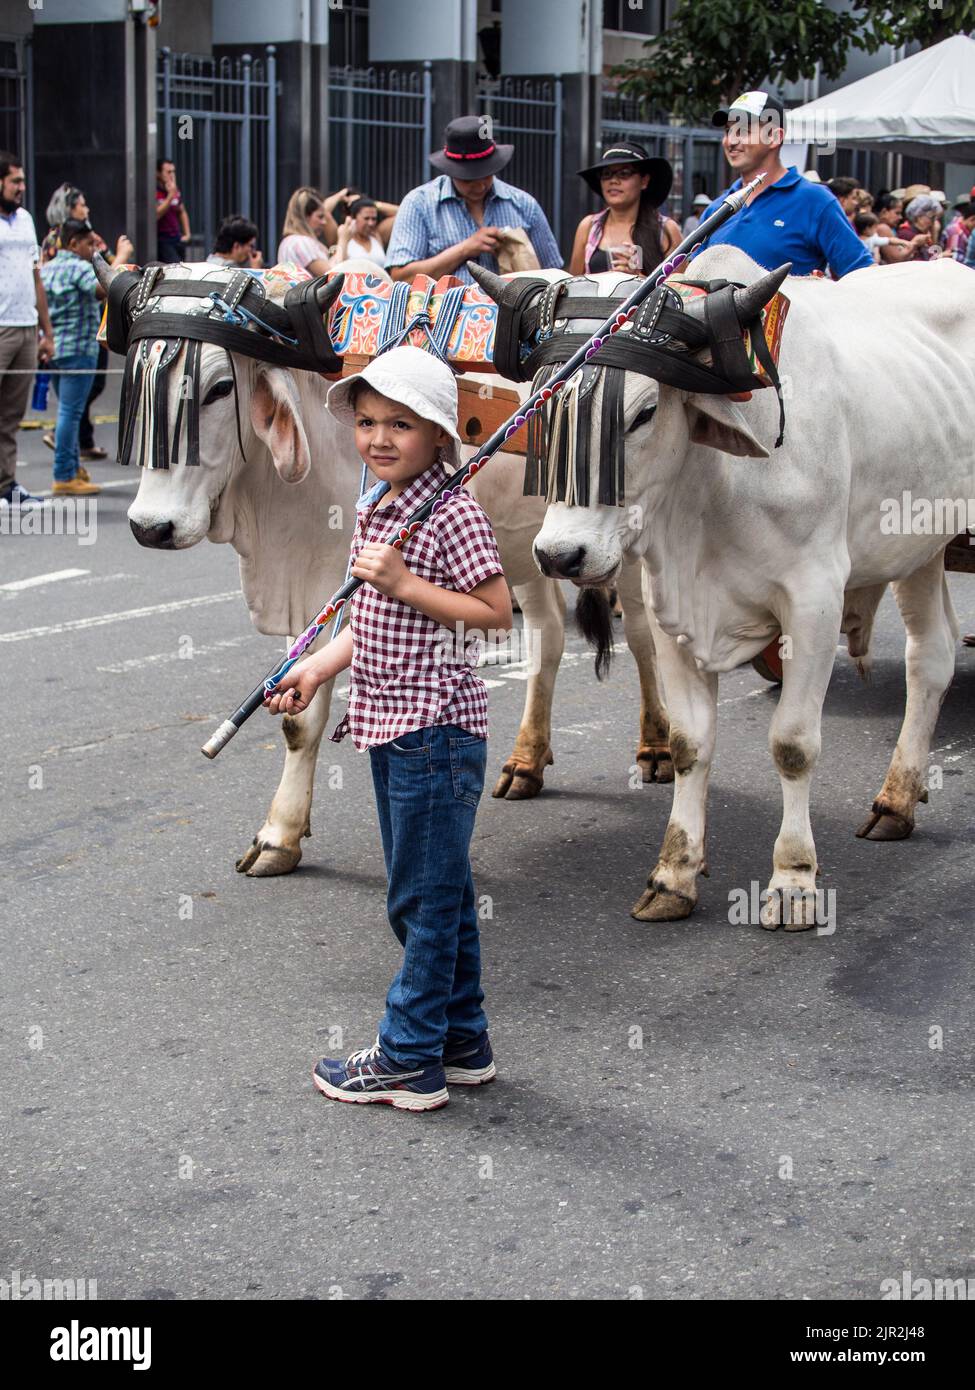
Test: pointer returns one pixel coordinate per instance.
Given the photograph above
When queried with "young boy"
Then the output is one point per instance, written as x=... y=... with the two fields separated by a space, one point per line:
x=73 y=292
x=418 y=706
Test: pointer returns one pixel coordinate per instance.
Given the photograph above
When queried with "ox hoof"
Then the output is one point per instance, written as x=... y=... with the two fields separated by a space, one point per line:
x=266 y=861
x=795 y=910
x=656 y=764
x=885 y=825
x=519 y=781
x=659 y=904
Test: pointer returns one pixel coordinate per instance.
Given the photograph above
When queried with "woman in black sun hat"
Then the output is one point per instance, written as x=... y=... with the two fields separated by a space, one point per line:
x=629 y=234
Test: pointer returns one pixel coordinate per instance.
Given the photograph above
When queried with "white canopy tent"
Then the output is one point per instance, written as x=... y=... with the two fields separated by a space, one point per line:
x=924 y=106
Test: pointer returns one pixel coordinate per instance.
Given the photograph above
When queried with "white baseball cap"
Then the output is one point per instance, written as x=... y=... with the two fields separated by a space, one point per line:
x=413 y=377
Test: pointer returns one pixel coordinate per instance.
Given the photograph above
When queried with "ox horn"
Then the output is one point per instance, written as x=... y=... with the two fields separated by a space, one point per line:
x=327 y=290
x=489 y=282
x=106 y=273
x=750 y=301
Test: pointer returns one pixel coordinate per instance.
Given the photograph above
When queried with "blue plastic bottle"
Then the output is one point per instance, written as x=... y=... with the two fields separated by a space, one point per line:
x=41 y=383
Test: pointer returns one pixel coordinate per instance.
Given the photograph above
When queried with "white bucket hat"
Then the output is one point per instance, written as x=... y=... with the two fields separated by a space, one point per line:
x=416 y=379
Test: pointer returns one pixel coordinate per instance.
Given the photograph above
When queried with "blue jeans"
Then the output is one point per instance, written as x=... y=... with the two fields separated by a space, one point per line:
x=72 y=393
x=428 y=784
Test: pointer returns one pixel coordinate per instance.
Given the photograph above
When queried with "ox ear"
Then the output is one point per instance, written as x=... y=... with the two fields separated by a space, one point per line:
x=276 y=419
x=716 y=422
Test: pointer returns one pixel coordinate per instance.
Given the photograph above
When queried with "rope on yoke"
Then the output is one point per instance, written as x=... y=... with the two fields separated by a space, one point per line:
x=437 y=331
x=242 y=316
x=394 y=315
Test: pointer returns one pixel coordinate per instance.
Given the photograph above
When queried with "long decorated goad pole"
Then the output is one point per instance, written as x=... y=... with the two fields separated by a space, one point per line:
x=613 y=324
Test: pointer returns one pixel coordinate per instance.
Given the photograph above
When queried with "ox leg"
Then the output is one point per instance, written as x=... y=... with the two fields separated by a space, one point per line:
x=653 y=750
x=543 y=607
x=795 y=738
x=930 y=660
x=276 y=848
x=692 y=700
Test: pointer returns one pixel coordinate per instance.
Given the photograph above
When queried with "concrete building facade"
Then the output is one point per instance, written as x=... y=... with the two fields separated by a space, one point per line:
x=281 y=93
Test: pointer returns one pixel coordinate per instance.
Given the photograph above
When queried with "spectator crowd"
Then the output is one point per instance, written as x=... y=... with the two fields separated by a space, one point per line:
x=50 y=306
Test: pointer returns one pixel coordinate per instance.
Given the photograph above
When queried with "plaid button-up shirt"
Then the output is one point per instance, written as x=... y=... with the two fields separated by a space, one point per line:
x=408 y=671
x=433 y=217
x=70 y=283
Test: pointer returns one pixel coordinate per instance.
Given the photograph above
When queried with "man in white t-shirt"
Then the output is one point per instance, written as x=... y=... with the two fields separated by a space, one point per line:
x=23 y=307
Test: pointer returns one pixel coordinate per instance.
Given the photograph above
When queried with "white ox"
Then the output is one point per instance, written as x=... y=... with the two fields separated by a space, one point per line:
x=292 y=559
x=742 y=541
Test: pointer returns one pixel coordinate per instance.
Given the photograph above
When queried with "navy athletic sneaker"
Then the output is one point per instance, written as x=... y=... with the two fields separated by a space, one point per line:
x=469 y=1063
x=17 y=496
x=369 y=1075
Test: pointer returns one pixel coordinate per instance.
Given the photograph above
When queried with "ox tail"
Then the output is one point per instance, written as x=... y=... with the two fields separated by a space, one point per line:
x=595 y=618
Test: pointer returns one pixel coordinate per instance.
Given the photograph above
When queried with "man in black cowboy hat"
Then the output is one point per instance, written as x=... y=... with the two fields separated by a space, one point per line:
x=456 y=217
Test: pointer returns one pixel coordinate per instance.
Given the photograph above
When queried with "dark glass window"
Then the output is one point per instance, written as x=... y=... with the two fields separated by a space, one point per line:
x=348 y=34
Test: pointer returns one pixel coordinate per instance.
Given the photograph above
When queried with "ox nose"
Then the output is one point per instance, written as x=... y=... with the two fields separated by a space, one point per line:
x=567 y=563
x=155 y=537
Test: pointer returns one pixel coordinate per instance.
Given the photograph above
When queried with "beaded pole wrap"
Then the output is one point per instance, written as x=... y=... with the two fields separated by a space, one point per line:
x=451 y=485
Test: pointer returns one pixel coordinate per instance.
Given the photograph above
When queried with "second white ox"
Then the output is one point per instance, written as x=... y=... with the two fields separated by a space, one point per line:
x=742 y=541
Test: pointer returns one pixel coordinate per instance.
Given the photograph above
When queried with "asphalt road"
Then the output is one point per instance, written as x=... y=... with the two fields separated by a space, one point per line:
x=689 y=1110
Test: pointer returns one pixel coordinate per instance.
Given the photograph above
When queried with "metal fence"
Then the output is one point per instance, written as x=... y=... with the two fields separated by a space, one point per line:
x=693 y=151
x=217 y=122
x=379 y=129
x=527 y=112
x=17 y=106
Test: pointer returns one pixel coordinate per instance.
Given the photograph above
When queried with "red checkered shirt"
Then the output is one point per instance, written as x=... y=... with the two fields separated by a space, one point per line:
x=407 y=670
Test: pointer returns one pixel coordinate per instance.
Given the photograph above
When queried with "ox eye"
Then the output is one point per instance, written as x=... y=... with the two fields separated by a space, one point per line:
x=218 y=390
x=644 y=418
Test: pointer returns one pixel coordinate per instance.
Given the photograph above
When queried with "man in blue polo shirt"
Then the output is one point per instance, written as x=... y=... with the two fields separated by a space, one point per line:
x=787 y=218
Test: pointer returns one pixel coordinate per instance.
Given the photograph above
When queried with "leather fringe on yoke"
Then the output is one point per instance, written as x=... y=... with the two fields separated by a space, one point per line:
x=559 y=446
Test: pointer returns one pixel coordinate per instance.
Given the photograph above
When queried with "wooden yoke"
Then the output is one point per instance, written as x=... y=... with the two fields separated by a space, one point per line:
x=354 y=329
x=481 y=406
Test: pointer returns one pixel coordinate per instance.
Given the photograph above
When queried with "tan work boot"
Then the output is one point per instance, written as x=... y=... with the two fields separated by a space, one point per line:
x=83 y=475
x=75 y=487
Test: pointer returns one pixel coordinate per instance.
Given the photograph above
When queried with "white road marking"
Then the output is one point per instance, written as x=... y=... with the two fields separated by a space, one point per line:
x=105 y=578
x=958 y=743
x=581 y=730
x=56 y=750
x=17 y=584
x=122 y=482
x=76 y=583
x=749 y=695
x=135 y=662
x=103 y=619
